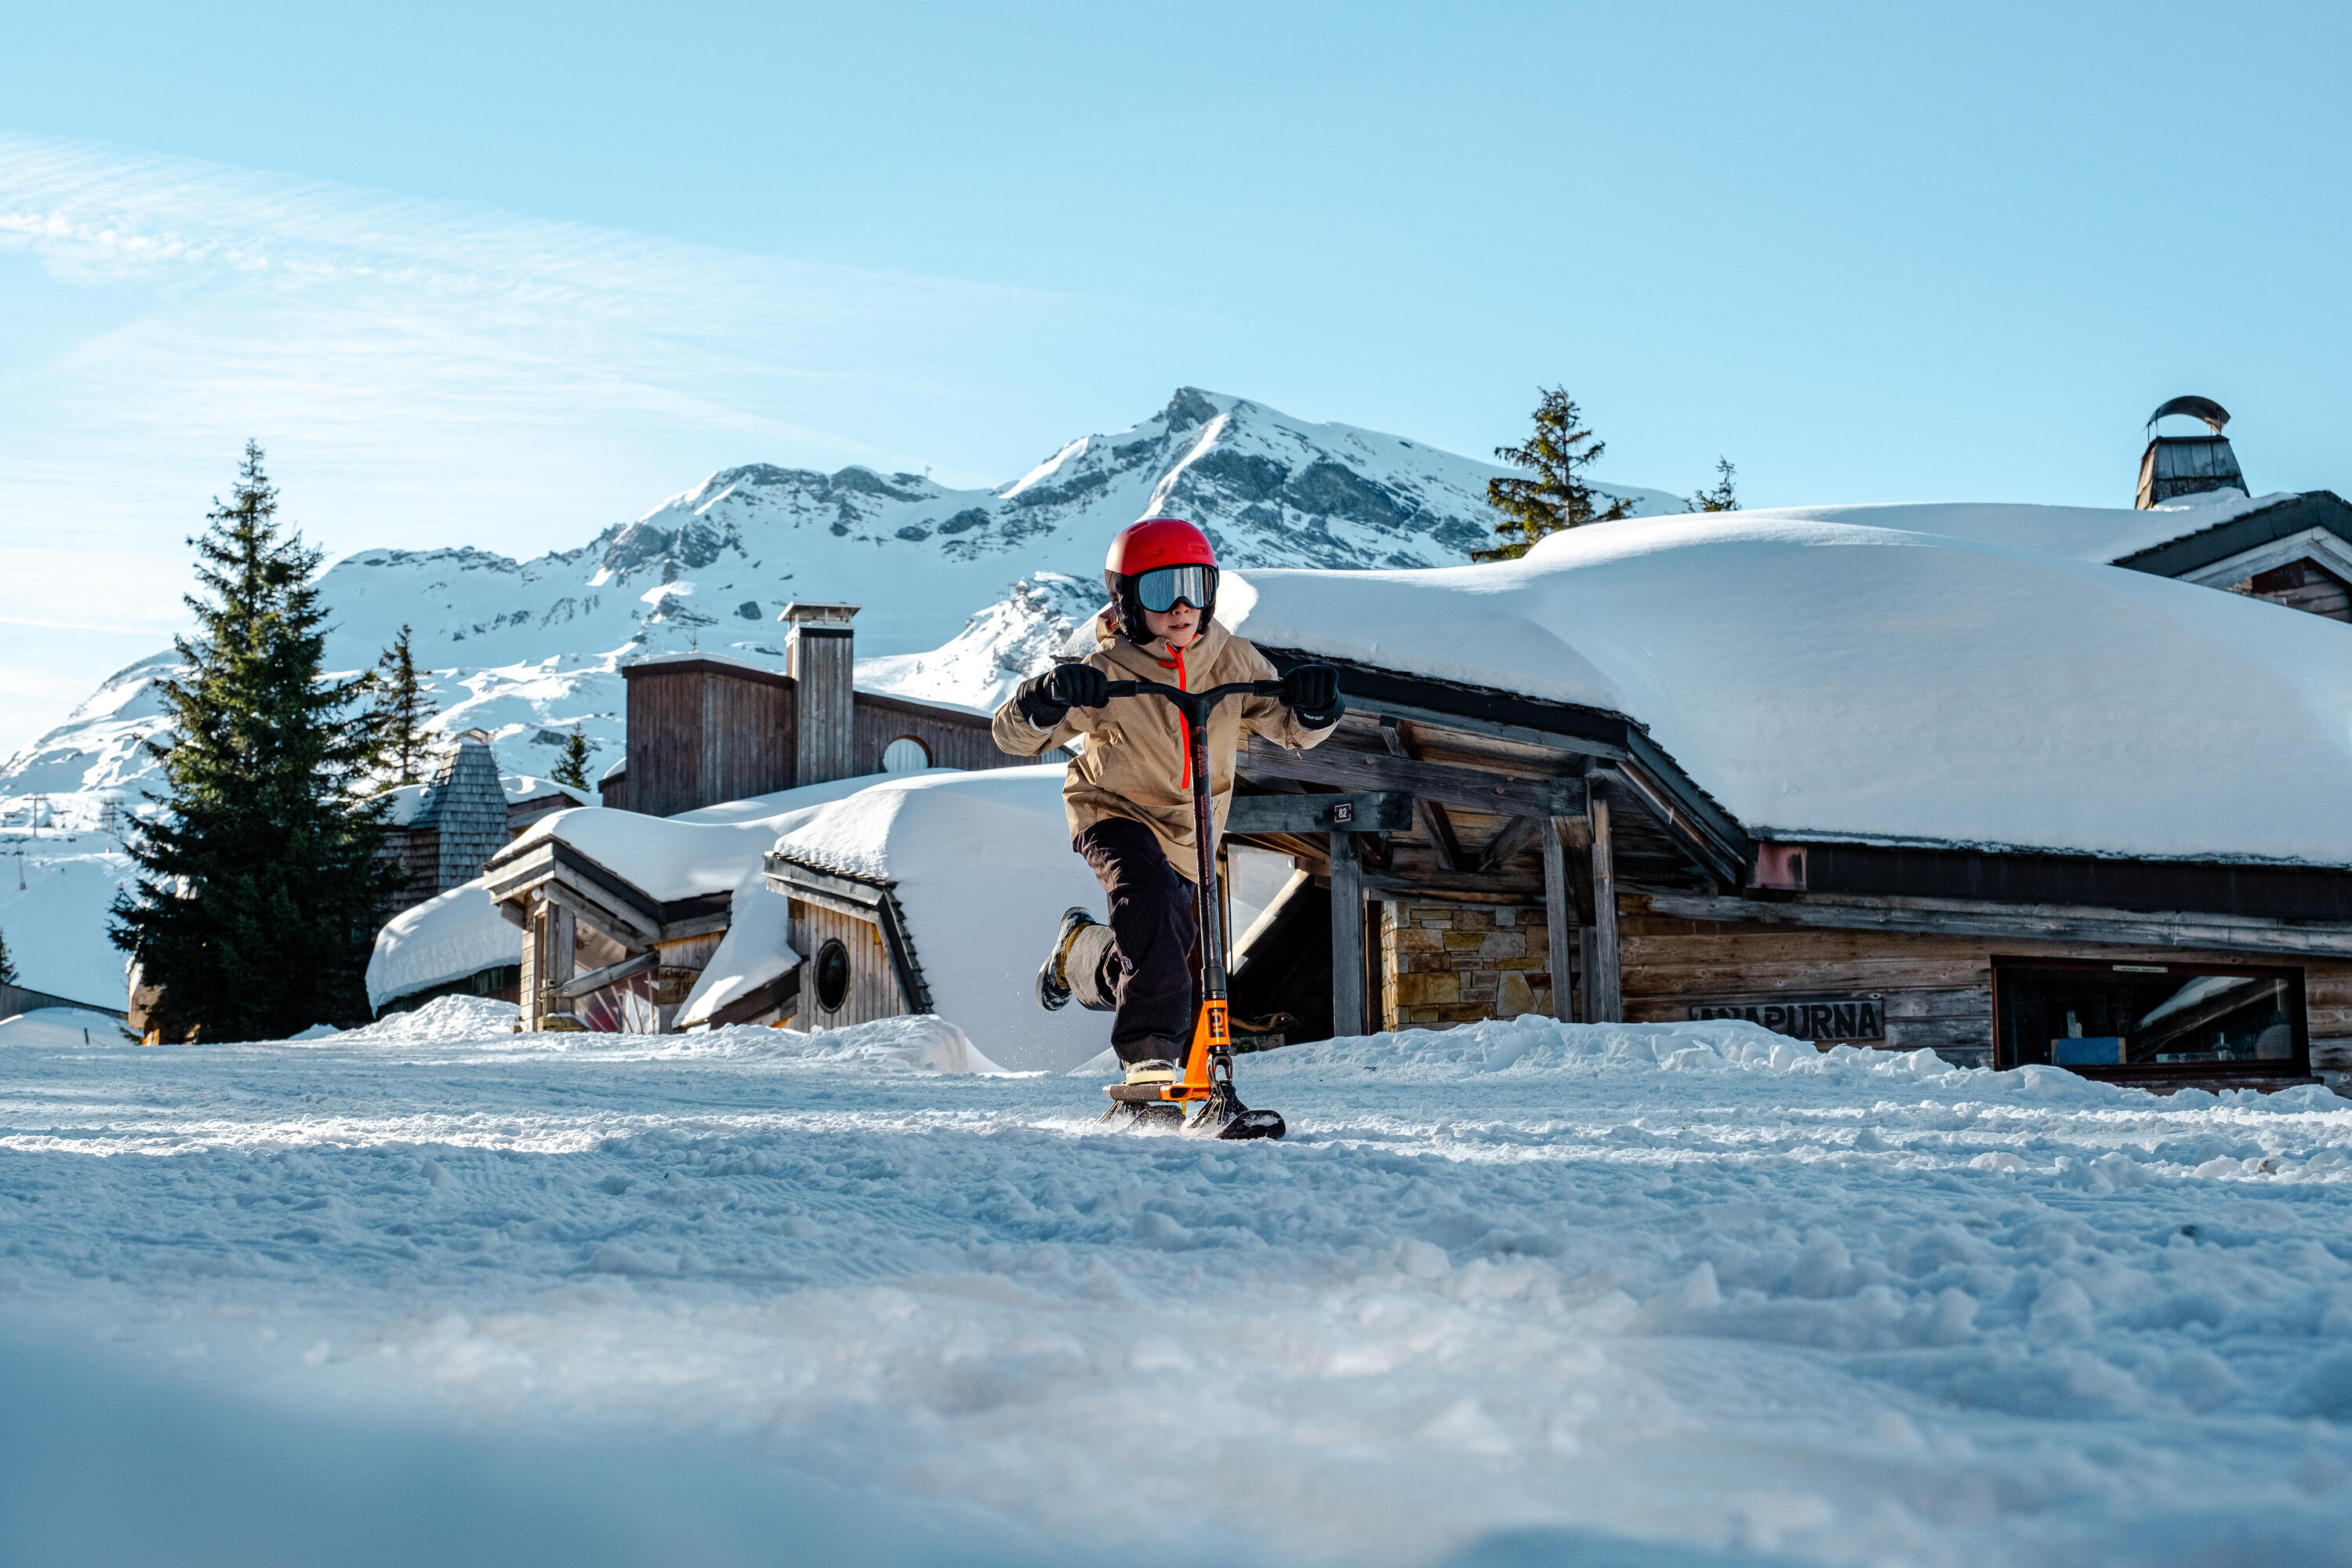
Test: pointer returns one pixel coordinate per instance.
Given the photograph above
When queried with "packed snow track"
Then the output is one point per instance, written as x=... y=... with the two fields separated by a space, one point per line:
x=1522 y=1292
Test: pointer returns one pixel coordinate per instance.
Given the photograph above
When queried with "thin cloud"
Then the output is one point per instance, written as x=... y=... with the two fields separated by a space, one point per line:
x=422 y=372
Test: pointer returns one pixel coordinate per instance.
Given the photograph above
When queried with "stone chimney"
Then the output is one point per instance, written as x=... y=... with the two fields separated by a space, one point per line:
x=820 y=659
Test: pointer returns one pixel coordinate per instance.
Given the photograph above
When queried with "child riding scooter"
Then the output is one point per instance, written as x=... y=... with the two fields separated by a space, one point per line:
x=1131 y=792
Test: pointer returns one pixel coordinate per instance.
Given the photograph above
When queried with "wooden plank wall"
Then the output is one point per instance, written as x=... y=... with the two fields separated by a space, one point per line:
x=954 y=740
x=1938 y=989
x=698 y=736
x=2301 y=585
x=873 y=984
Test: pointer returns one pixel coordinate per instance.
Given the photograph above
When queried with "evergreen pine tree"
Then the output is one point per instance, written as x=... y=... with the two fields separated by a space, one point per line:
x=401 y=710
x=261 y=884
x=1557 y=497
x=1720 y=497
x=572 y=768
x=7 y=964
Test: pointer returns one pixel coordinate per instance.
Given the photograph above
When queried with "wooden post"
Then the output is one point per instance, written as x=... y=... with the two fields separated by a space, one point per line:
x=1608 y=1004
x=562 y=947
x=1560 y=916
x=1347 y=936
x=534 y=943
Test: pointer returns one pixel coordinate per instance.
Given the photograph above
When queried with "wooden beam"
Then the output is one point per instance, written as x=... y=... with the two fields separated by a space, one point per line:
x=579 y=986
x=1377 y=810
x=626 y=926
x=1406 y=884
x=1479 y=789
x=699 y=925
x=1435 y=826
x=1346 y=937
x=1560 y=915
x=1516 y=835
x=1726 y=860
x=2027 y=922
x=1602 y=964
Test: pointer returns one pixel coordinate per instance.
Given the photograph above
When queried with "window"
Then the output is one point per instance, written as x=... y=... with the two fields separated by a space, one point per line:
x=832 y=975
x=2151 y=1020
x=906 y=755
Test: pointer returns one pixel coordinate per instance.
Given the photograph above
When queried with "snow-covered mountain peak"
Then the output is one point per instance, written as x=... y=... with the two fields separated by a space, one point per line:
x=527 y=649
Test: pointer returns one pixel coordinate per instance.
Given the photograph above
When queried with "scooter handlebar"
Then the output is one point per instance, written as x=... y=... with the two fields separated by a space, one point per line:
x=1178 y=695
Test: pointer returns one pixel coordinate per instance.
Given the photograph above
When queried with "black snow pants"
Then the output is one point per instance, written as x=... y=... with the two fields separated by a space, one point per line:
x=1144 y=972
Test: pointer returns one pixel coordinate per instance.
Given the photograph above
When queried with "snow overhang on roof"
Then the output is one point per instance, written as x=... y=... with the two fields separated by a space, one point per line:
x=979 y=867
x=1824 y=679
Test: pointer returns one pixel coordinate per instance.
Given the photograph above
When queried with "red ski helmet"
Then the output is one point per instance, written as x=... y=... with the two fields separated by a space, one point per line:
x=1151 y=545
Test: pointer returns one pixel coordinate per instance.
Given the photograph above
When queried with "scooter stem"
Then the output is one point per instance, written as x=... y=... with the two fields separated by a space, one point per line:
x=1209 y=1064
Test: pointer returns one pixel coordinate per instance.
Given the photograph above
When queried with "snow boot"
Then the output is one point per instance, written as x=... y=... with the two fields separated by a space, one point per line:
x=1155 y=1070
x=1053 y=975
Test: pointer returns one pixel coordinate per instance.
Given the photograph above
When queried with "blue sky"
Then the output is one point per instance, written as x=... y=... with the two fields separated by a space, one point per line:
x=500 y=275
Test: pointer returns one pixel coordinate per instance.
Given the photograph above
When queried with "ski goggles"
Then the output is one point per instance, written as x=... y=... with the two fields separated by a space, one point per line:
x=1162 y=589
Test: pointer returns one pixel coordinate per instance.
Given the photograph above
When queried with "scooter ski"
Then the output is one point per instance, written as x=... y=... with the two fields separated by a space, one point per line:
x=1203 y=1102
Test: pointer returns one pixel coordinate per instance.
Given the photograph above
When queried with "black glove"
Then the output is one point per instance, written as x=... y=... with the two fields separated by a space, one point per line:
x=1045 y=698
x=1312 y=691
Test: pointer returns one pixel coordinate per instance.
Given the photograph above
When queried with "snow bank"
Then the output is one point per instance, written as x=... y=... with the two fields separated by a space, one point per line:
x=984 y=868
x=1832 y=681
x=109 y=1466
x=1532 y=1045
x=62 y=1026
x=441 y=1020
x=1518 y=1293
x=922 y=1043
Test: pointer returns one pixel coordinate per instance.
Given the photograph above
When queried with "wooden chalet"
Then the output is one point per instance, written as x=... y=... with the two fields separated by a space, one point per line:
x=860 y=961
x=703 y=730
x=1500 y=845
x=601 y=951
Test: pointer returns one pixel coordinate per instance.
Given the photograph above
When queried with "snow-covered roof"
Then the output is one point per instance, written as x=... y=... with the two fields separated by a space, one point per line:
x=984 y=870
x=2099 y=533
x=447 y=938
x=521 y=787
x=716 y=850
x=1824 y=679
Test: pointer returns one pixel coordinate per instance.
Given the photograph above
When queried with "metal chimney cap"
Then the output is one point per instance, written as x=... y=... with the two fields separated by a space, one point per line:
x=2204 y=408
x=817 y=614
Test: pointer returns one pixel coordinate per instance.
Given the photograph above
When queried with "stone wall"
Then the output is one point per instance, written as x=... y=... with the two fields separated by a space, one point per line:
x=1444 y=963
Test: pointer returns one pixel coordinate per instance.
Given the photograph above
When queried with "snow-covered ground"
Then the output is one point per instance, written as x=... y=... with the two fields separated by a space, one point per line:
x=1504 y=1294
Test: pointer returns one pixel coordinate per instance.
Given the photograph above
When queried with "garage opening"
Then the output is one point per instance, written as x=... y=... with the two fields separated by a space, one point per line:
x=2152 y=1020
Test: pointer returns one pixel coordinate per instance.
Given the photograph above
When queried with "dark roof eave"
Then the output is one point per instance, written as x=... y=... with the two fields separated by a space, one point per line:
x=1594 y=731
x=2249 y=530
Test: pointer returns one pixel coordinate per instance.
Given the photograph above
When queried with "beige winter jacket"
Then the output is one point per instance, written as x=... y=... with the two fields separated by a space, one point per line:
x=1134 y=763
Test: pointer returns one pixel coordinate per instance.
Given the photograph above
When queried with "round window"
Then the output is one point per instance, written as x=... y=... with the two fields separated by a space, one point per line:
x=832 y=975
x=906 y=755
